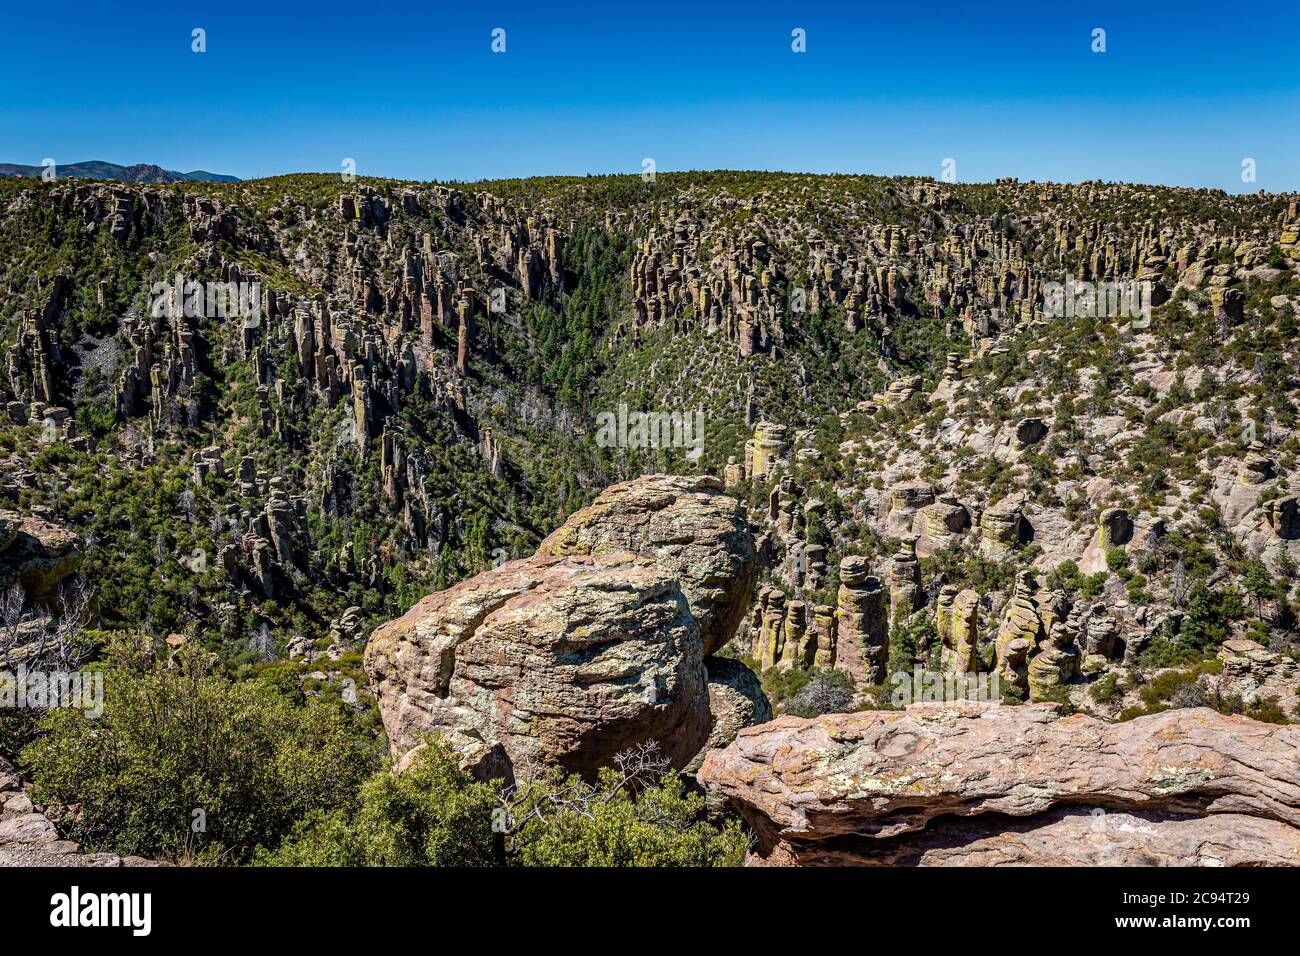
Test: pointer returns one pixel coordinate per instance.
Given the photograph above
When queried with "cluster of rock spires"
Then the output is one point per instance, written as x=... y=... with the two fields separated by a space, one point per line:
x=1036 y=639
x=595 y=644
x=610 y=634
x=409 y=280
x=696 y=269
x=1036 y=645
x=402 y=309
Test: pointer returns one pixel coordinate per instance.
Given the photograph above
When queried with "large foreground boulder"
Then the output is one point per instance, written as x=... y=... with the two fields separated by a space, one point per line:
x=549 y=661
x=977 y=784
x=36 y=554
x=687 y=525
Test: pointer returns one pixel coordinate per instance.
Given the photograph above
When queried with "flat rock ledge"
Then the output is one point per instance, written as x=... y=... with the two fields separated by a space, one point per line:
x=971 y=784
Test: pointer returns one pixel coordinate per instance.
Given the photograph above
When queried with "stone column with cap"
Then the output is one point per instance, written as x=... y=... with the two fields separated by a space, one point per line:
x=862 y=641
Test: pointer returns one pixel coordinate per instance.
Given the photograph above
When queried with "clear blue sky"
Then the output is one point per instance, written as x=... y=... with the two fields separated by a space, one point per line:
x=412 y=90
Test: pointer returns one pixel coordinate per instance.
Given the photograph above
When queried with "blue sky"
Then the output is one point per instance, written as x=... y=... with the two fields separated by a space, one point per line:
x=412 y=90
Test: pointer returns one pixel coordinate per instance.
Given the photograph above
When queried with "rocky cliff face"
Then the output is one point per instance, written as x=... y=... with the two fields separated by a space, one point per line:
x=938 y=469
x=36 y=554
x=970 y=784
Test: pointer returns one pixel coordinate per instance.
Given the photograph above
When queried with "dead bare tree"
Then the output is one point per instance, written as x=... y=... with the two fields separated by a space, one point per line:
x=47 y=642
x=821 y=695
x=13 y=605
x=537 y=795
x=67 y=648
x=1178 y=584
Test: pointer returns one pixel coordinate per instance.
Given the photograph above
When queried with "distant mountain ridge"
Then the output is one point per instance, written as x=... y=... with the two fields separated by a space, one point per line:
x=139 y=173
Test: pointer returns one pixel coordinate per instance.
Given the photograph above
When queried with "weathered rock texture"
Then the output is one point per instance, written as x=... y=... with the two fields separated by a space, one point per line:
x=974 y=784
x=35 y=553
x=561 y=661
x=736 y=700
x=687 y=526
x=862 y=645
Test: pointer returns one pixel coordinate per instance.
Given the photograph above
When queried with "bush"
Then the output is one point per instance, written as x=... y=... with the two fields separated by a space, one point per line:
x=1268 y=710
x=434 y=814
x=1106 y=690
x=1093 y=584
x=661 y=826
x=1065 y=577
x=1205 y=625
x=184 y=761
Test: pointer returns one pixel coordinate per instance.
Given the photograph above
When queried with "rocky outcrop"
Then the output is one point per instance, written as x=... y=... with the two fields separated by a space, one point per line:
x=942 y=525
x=736 y=701
x=905 y=591
x=1058 y=659
x=686 y=525
x=1114 y=527
x=825 y=632
x=959 y=653
x=770 y=632
x=905 y=500
x=1001 y=526
x=1018 y=633
x=970 y=783
x=36 y=554
x=862 y=628
x=765 y=450
x=559 y=661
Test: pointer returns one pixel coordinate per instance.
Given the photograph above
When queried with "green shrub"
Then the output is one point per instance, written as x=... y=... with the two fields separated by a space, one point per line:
x=1268 y=710
x=433 y=814
x=184 y=761
x=1106 y=690
x=662 y=826
x=1061 y=696
x=1093 y=584
x=1205 y=624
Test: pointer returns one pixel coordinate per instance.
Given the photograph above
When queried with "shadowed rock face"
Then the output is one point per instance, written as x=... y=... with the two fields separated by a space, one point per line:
x=736 y=700
x=689 y=527
x=561 y=661
x=1073 y=836
x=35 y=553
x=975 y=784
